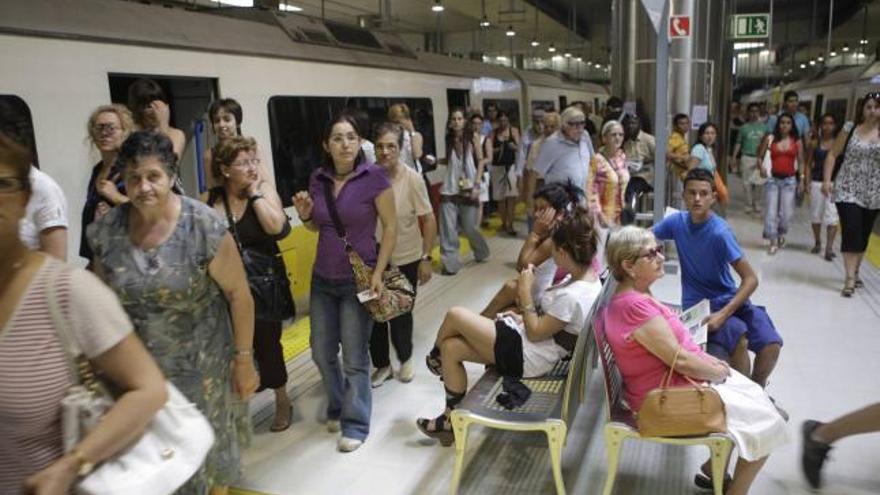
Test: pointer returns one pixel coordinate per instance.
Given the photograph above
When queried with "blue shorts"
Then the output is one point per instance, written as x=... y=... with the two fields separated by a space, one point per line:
x=749 y=320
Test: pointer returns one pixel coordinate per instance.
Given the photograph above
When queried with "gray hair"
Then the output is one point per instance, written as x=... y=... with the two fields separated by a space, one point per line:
x=626 y=244
x=572 y=113
x=606 y=128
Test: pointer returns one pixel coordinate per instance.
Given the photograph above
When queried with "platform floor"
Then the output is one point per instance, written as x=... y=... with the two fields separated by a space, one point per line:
x=829 y=365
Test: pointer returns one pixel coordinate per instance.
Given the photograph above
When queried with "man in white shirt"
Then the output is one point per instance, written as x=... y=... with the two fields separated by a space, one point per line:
x=44 y=227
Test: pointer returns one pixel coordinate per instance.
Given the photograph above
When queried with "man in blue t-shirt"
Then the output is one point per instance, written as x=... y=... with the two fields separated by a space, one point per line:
x=707 y=248
x=790 y=106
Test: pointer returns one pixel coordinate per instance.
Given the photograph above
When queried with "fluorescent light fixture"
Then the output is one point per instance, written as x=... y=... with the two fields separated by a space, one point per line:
x=820 y=58
x=861 y=55
x=237 y=3
x=557 y=57
x=579 y=59
x=598 y=66
x=484 y=22
x=812 y=62
x=567 y=54
x=501 y=58
x=286 y=7
x=863 y=41
x=510 y=31
x=748 y=45
x=832 y=54
x=845 y=47
x=803 y=66
x=438 y=6
x=551 y=48
x=765 y=52
x=535 y=42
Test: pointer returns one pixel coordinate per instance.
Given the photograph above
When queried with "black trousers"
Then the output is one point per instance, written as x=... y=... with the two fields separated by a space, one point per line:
x=856 y=224
x=401 y=329
x=269 y=354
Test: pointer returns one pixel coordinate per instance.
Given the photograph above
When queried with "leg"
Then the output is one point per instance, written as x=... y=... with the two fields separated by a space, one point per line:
x=504 y=298
x=765 y=361
x=269 y=354
x=479 y=332
x=449 y=256
x=744 y=475
x=402 y=327
x=830 y=235
x=764 y=341
x=867 y=226
x=740 y=360
x=468 y=214
x=728 y=338
x=771 y=211
x=850 y=233
x=456 y=351
x=324 y=342
x=356 y=325
x=865 y=420
x=817 y=212
x=380 y=352
x=786 y=204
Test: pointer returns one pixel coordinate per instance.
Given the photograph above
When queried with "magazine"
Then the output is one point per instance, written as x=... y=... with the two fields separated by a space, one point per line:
x=694 y=318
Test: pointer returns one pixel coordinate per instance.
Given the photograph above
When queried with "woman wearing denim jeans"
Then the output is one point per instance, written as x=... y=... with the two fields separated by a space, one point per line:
x=363 y=197
x=783 y=182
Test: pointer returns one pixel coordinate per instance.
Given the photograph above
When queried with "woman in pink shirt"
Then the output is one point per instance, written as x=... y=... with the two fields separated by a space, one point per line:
x=645 y=337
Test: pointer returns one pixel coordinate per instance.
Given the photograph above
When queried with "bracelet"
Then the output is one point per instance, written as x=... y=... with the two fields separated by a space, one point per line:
x=305 y=220
x=248 y=352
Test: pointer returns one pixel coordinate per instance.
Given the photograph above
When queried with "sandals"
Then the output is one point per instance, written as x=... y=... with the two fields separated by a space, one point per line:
x=816 y=249
x=773 y=249
x=438 y=428
x=435 y=366
x=858 y=284
x=848 y=289
x=705 y=482
x=829 y=256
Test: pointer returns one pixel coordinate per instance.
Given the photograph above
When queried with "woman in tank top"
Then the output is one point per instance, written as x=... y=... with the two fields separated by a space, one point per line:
x=782 y=184
x=822 y=209
x=501 y=147
x=245 y=198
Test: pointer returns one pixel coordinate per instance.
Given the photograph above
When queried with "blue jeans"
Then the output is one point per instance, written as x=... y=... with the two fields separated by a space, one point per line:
x=779 y=206
x=338 y=318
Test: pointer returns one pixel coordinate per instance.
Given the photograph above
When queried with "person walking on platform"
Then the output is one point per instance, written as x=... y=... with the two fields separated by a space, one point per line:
x=413 y=142
x=606 y=184
x=416 y=230
x=551 y=124
x=822 y=209
x=535 y=132
x=502 y=146
x=790 y=107
x=460 y=193
x=256 y=221
x=361 y=196
x=677 y=156
x=180 y=278
x=565 y=156
x=818 y=438
x=856 y=189
x=783 y=180
x=748 y=139
x=707 y=250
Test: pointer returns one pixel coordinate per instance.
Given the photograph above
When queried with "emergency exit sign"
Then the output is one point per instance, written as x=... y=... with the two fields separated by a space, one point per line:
x=750 y=26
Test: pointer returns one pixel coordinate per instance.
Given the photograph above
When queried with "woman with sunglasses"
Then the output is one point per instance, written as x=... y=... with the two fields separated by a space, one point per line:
x=856 y=190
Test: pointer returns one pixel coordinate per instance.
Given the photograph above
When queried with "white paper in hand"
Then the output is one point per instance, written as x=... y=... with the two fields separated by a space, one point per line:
x=693 y=319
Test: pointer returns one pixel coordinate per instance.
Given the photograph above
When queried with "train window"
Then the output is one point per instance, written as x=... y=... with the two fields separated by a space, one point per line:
x=837 y=107
x=543 y=105
x=510 y=107
x=563 y=101
x=296 y=124
x=16 y=122
x=458 y=98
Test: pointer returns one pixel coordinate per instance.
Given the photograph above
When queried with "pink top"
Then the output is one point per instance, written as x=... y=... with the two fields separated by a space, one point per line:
x=642 y=371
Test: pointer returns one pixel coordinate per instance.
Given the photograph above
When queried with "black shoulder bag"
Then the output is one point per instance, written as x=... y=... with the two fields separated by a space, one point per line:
x=266 y=276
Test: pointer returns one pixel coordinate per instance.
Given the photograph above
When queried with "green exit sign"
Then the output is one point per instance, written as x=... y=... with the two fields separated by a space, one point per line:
x=750 y=26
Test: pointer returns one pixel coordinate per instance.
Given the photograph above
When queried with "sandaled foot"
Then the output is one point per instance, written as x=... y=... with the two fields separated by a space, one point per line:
x=829 y=256
x=772 y=249
x=816 y=249
x=848 y=288
x=283 y=413
x=781 y=242
x=858 y=284
x=438 y=428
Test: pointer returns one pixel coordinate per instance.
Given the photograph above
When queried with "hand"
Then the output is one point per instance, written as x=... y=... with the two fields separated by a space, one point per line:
x=545 y=220
x=714 y=321
x=53 y=480
x=721 y=371
x=826 y=188
x=425 y=272
x=800 y=188
x=762 y=171
x=162 y=113
x=244 y=377
x=101 y=209
x=108 y=190
x=526 y=281
x=512 y=314
x=475 y=192
x=376 y=283
x=254 y=187
x=303 y=203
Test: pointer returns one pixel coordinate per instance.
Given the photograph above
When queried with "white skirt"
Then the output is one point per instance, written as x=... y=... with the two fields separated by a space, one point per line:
x=752 y=420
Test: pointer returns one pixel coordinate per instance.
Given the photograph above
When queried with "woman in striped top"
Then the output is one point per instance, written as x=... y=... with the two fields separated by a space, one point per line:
x=34 y=369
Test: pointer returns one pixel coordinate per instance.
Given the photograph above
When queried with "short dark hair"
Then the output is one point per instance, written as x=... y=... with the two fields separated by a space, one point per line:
x=388 y=127
x=753 y=105
x=777 y=133
x=614 y=102
x=790 y=93
x=147 y=143
x=678 y=117
x=229 y=105
x=346 y=117
x=16 y=156
x=140 y=94
x=700 y=174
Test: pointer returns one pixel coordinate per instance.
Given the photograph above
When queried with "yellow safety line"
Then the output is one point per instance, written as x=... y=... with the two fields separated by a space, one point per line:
x=242 y=491
x=873 y=253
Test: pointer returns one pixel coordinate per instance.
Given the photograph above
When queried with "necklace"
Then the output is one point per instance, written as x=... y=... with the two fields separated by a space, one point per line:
x=342 y=176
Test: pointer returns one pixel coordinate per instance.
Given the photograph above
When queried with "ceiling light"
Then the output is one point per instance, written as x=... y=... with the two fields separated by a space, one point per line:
x=812 y=62
x=803 y=66
x=845 y=47
x=861 y=55
x=832 y=54
x=286 y=7
x=579 y=59
x=551 y=48
x=598 y=66
x=820 y=58
x=535 y=42
x=237 y=3
x=567 y=54
x=747 y=45
x=438 y=6
x=484 y=22
x=510 y=31
x=863 y=41
x=557 y=57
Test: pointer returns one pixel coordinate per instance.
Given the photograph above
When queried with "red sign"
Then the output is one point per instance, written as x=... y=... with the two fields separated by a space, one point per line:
x=680 y=26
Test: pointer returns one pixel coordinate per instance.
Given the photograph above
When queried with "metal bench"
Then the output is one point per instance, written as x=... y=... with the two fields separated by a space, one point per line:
x=551 y=407
x=620 y=424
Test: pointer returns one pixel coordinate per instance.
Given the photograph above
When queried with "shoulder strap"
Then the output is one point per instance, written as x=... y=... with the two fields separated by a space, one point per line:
x=848 y=139
x=334 y=213
x=230 y=219
x=60 y=281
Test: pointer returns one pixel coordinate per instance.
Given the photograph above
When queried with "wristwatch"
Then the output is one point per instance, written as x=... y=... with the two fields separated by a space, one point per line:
x=256 y=196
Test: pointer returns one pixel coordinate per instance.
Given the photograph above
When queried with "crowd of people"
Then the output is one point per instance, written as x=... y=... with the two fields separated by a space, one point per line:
x=168 y=292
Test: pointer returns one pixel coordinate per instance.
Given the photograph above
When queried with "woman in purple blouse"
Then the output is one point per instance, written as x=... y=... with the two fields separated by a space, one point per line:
x=363 y=196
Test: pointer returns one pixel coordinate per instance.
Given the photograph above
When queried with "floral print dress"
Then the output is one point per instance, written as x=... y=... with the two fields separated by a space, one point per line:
x=182 y=317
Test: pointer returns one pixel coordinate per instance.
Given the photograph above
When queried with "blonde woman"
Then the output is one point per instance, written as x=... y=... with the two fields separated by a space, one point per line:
x=108 y=127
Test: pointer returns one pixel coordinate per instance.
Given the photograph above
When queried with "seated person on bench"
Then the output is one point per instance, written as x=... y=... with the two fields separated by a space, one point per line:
x=521 y=344
x=553 y=202
x=647 y=338
x=707 y=248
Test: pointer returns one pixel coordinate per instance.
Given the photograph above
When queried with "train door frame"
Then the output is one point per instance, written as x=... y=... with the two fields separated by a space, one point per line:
x=563 y=102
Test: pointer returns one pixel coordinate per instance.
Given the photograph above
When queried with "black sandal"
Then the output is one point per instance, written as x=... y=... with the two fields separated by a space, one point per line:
x=441 y=429
x=858 y=284
x=705 y=482
x=435 y=366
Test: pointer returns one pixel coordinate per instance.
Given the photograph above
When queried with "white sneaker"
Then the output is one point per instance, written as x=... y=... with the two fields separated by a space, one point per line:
x=405 y=374
x=346 y=444
x=380 y=376
x=334 y=425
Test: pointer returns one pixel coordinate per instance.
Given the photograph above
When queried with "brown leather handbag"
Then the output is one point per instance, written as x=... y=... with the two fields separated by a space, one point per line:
x=681 y=411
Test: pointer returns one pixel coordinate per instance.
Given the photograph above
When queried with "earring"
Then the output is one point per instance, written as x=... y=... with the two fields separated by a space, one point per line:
x=226 y=175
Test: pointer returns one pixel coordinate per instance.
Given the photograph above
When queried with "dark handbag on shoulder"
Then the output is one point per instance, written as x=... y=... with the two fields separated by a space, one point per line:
x=266 y=276
x=838 y=161
x=397 y=297
x=681 y=411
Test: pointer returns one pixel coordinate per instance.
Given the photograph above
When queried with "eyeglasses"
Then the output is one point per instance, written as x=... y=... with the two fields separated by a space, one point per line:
x=9 y=185
x=253 y=162
x=652 y=254
x=105 y=128
x=576 y=123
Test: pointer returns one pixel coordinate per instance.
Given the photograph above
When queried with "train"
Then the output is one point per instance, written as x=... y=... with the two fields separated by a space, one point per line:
x=63 y=58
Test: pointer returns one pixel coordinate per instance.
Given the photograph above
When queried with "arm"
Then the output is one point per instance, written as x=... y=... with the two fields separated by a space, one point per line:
x=228 y=271
x=538 y=328
x=268 y=209
x=656 y=336
x=593 y=190
x=417 y=144
x=808 y=161
x=830 y=159
x=53 y=241
x=428 y=226
x=747 y=286
x=304 y=206
x=481 y=164
x=388 y=217
x=538 y=245
x=129 y=365
x=799 y=164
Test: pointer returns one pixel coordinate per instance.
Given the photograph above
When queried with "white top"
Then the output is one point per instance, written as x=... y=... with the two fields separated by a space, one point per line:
x=457 y=169
x=411 y=201
x=566 y=301
x=369 y=150
x=46 y=209
x=406 y=153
